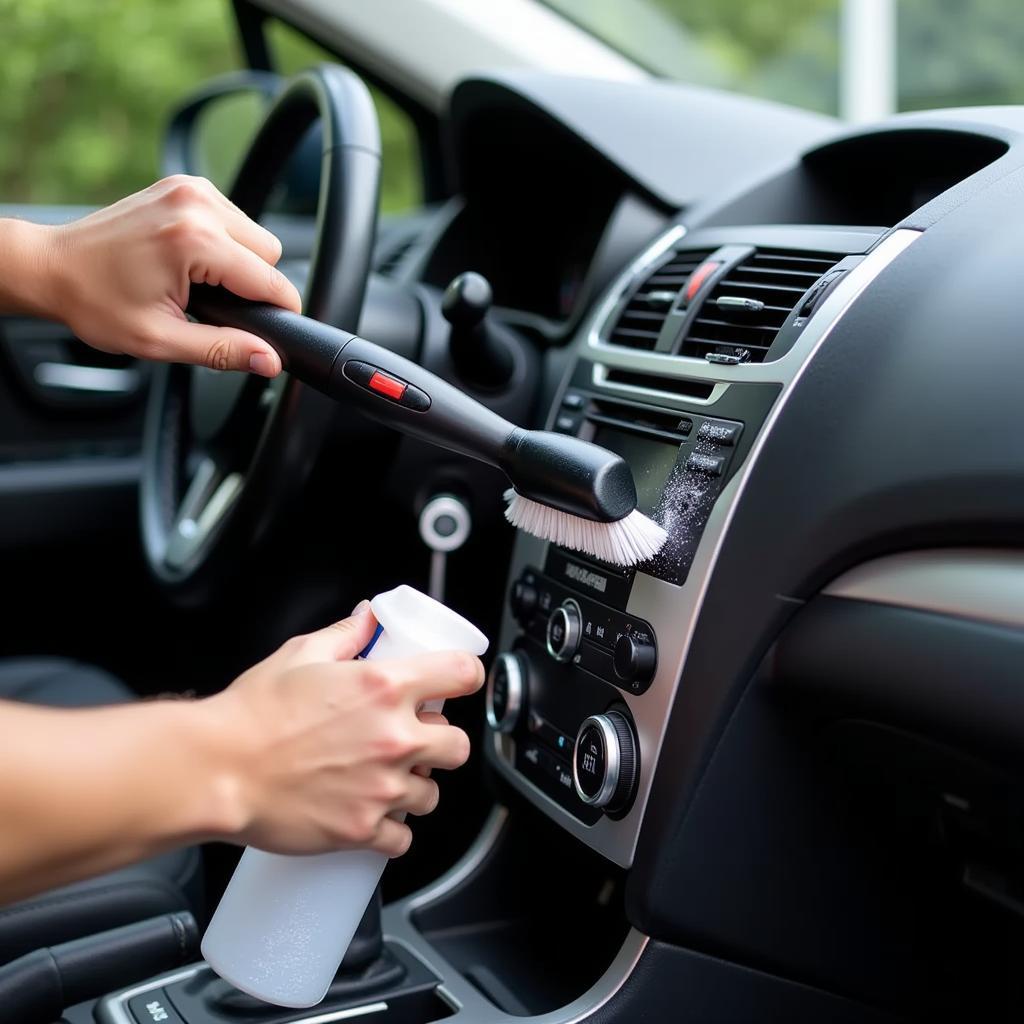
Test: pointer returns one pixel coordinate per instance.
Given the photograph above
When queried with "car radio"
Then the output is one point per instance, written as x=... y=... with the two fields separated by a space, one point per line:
x=560 y=698
x=680 y=464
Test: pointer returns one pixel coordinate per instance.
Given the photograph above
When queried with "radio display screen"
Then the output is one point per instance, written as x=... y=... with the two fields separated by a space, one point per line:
x=652 y=462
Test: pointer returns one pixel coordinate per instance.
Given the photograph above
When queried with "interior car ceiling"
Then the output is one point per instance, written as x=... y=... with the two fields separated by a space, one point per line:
x=830 y=824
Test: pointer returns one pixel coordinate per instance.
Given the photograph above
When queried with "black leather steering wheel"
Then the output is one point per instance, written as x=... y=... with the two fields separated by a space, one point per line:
x=222 y=451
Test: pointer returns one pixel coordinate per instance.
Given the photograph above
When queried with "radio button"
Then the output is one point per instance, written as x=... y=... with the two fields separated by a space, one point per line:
x=635 y=660
x=565 y=631
x=710 y=464
x=506 y=691
x=721 y=432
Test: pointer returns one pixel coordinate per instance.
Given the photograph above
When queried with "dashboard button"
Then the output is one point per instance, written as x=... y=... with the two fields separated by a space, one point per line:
x=567 y=424
x=719 y=432
x=710 y=464
x=506 y=691
x=605 y=761
x=635 y=660
x=550 y=734
x=565 y=630
x=153 y=1007
x=572 y=401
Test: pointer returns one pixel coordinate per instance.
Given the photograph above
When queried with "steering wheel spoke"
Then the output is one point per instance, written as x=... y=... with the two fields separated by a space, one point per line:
x=207 y=501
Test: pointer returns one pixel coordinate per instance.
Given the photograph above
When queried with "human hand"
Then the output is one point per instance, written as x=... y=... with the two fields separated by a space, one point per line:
x=320 y=750
x=120 y=277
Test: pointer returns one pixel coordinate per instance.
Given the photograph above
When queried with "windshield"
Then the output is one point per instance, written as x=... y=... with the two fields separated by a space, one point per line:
x=859 y=59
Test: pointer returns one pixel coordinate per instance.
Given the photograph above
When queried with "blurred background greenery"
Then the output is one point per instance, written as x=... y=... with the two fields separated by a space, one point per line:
x=86 y=85
x=950 y=53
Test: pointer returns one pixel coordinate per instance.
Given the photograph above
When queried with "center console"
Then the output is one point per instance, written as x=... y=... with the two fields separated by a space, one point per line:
x=681 y=371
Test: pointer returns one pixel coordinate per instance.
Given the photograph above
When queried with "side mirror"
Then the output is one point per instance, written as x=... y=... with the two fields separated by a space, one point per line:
x=210 y=132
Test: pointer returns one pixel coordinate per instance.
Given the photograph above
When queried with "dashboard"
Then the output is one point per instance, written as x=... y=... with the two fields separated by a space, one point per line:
x=812 y=365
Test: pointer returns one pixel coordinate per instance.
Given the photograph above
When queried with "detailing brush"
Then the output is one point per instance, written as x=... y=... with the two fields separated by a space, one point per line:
x=564 y=490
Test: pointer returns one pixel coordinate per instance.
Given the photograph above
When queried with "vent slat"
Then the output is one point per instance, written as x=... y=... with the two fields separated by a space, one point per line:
x=639 y=323
x=777 y=278
x=641 y=314
x=394 y=259
x=718 y=343
x=777 y=274
x=760 y=286
x=763 y=324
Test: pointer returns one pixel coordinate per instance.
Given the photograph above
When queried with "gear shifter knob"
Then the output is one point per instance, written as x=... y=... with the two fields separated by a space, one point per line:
x=479 y=356
x=467 y=300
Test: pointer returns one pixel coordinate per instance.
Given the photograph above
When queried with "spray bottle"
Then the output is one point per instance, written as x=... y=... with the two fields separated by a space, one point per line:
x=285 y=923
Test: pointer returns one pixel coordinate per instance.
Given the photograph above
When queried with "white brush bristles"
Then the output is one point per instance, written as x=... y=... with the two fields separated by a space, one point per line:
x=625 y=542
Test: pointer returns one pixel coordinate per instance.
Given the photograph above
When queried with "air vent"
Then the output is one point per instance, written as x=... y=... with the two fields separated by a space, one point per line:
x=741 y=317
x=393 y=258
x=640 y=321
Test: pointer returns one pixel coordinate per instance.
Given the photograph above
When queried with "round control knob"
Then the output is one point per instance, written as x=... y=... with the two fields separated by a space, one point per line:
x=565 y=630
x=506 y=690
x=524 y=600
x=634 y=660
x=605 y=762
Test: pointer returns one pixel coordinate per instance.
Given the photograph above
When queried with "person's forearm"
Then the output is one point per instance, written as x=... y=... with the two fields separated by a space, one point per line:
x=87 y=791
x=26 y=268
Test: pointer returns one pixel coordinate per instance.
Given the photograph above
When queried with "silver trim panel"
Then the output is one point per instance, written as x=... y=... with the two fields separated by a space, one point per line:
x=469 y=1003
x=673 y=610
x=114 y=1009
x=985 y=585
x=599 y=377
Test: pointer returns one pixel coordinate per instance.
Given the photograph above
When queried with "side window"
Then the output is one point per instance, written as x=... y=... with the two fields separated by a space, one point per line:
x=86 y=90
x=401 y=168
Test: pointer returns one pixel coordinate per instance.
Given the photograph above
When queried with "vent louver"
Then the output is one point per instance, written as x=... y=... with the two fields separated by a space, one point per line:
x=639 y=323
x=393 y=258
x=741 y=317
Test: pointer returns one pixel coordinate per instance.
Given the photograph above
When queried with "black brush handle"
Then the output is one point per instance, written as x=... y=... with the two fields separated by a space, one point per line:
x=554 y=469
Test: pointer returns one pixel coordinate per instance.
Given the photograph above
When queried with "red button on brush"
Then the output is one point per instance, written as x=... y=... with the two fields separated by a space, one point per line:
x=385 y=385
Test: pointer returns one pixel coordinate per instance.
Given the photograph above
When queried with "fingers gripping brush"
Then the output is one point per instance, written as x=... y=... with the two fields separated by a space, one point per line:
x=563 y=489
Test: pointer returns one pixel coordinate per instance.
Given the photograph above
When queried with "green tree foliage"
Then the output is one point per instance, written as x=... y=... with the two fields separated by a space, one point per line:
x=86 y=87
x=957 y=53
x=950 y=52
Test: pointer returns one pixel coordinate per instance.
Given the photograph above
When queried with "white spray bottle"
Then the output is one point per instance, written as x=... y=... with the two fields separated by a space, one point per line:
x=284 y=923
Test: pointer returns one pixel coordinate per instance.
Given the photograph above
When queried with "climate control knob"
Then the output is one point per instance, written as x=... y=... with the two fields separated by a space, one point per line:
x=565 y=630
x=506 y=691
x=634 y=659
x=605 y=761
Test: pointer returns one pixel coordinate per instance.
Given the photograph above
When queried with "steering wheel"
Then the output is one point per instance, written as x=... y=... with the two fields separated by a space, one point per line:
x=223 y=451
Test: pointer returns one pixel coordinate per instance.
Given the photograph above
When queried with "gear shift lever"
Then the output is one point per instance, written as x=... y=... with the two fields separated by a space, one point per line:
x=479 y=355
